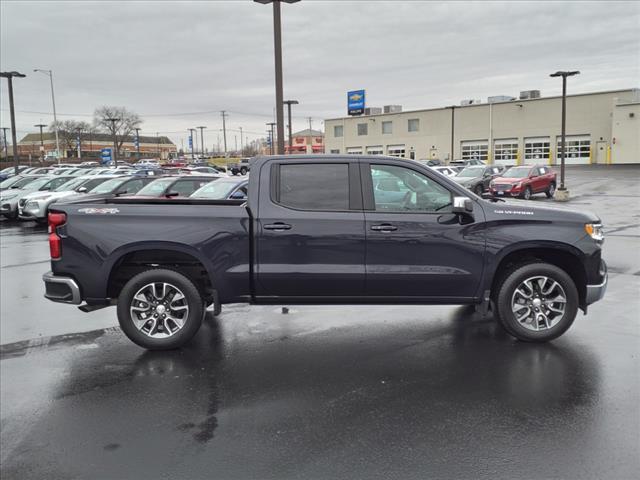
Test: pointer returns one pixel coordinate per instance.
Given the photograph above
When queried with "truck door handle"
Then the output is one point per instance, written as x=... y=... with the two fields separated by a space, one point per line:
x=277 y=227
x=385 y=227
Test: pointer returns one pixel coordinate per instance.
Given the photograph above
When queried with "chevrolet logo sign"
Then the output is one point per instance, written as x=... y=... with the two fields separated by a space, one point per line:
x=355 y=97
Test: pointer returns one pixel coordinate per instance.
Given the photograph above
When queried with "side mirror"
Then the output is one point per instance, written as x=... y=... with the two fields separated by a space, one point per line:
x=462 y=205
x=82 y=190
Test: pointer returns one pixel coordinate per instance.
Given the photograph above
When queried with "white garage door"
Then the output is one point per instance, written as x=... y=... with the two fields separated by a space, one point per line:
x=578 y=150
x=536 y=150
x=475 y=150
x=354 y=150
x=505 y=151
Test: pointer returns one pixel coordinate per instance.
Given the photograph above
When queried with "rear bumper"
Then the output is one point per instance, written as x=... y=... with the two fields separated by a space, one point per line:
x=61 y=289
x=596 y=292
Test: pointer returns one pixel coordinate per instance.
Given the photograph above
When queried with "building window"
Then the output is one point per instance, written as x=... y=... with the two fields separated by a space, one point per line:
x=578 y=149
x=537 y=148
x=338 y=130
x=387 y=128
x=314 y=186
x=354 y=150
x=363 y=129
x=475 y=150
x=375 y=150
x=505 y=151
x=335 y=150
x=396 y=150
x=413 y=124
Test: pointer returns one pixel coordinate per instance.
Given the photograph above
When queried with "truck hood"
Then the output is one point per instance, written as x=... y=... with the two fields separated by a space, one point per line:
x=525 y=210
x=508 y=180
x=465 y=180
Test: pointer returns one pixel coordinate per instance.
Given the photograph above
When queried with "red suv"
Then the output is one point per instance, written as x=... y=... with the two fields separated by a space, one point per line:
x=524 y=181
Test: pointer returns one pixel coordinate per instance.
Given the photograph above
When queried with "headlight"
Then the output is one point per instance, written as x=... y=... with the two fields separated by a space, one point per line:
x=31 y=204
x=595 y=231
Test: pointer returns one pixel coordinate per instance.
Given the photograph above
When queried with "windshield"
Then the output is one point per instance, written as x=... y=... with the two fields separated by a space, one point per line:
x=156 y=187
x=217 y=190
x=37 y=184
x=16 y=182
x=71 y=185
x=57 y=183
x=108 y=186
x=517 y=172
x=471 y=172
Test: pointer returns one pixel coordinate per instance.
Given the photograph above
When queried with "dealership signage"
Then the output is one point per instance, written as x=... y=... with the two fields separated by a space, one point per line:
x=355 y=102
x=105 y=155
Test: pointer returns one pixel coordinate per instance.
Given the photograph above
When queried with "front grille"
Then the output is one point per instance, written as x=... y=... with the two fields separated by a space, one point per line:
x=501 y=187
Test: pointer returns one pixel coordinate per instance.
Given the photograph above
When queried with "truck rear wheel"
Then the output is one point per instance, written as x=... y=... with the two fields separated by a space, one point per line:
x=160 y=309
x=536 y=302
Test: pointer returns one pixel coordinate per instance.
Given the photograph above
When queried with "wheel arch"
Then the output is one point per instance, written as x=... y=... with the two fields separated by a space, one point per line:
x=132 y=259
x=562 y=255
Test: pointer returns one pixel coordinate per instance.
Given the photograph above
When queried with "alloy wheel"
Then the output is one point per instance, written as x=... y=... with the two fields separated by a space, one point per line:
x=538 y=303
x=159 y=310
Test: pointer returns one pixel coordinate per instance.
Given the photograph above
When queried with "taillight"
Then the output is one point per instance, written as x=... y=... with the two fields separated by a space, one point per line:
x=55 y=242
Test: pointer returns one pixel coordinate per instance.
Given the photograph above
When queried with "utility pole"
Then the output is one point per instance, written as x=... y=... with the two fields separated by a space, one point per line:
x=562 y=195
x=224 y=130
x=5 y=147
x=310 y=124
x=79 y=143
x=202 y=140
x=271 y=125
x=9 y=76
x=158 y=145
x=241 y=142
x=191 y=130
x=289 y=103
x=277 y=47
x=138 y=141
x=115 y=139
x=49 y=73
x=41 y=126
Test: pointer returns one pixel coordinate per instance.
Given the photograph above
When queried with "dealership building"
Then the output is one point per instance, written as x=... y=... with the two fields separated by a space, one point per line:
x=602 y=128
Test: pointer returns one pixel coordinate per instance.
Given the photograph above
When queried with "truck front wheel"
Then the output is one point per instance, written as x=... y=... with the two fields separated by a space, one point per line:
x=536 y=302
x=160 y=309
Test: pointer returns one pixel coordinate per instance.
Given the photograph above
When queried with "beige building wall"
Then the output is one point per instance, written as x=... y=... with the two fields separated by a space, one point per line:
x=515 y=123
x=625 y=147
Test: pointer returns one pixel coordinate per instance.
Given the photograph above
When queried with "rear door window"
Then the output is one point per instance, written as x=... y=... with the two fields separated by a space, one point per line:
x=312 y=186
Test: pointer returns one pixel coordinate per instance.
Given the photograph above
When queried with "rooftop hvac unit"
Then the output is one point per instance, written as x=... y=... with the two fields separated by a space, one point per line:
x=529 y=94
x=500 y=98
x=372 y=111
x=392 y=108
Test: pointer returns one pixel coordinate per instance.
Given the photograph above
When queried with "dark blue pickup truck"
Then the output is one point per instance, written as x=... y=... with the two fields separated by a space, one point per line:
x=326 y=229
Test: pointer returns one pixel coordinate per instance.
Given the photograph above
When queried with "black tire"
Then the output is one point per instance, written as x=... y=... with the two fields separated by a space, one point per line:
x=527 y=193
x=478 y=190
x=243 y=171
x=193 y=300
x=551 y=190
x=505 y=292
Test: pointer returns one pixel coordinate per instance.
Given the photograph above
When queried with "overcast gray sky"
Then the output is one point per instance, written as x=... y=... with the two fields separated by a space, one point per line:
x=166 y=60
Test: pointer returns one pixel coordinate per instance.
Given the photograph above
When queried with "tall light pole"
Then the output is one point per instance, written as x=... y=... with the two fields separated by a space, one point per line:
x=224 y=130
x=241 y=142
x=138 y=141
x=270 y=125
x=9 y=76
x=562 y=195
x=289 y=103
x=41 y=126
x=202 y=139
x=115 y=138
x=53 y=101
x=277 y=46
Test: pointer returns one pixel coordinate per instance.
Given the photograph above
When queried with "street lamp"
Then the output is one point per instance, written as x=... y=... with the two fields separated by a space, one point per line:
x=115 y=139
x=270 y=125
x=9 y=76
x=277 y=43
x=288 y=103
x=202 y=139
x=562 y=194
x=53 y=100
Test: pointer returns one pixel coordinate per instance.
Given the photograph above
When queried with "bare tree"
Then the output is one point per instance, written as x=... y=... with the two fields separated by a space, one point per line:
x=126 y=122
x=67 y=132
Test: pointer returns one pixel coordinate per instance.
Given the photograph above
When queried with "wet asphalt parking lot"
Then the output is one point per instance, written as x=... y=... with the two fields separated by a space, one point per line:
x=326 y=392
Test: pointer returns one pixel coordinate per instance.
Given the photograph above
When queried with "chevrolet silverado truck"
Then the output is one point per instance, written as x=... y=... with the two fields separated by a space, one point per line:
x=326 y=229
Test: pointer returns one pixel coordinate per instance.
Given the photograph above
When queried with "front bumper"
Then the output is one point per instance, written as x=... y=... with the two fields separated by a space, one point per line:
x=30 y=213
x=61 y=289
x=596 y=292
x=511 y=192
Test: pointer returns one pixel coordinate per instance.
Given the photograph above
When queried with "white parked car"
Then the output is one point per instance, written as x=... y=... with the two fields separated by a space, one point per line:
x=148 y=162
